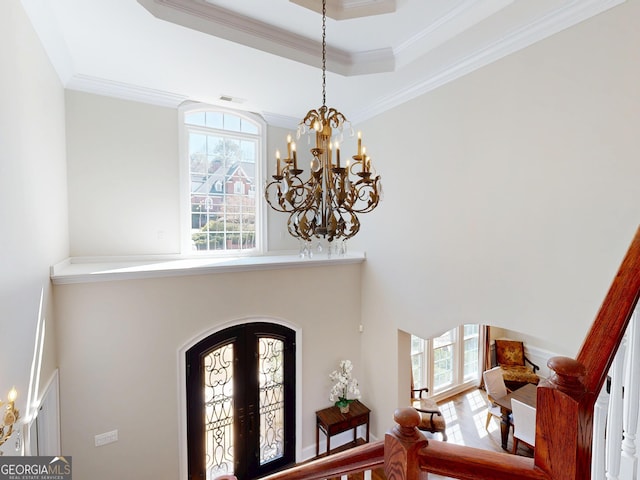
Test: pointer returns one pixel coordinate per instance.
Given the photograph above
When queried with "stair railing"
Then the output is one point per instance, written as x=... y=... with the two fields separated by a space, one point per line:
x=615 y=423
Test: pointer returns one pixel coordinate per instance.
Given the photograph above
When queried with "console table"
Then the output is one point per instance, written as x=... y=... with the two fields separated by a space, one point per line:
x=331 y=422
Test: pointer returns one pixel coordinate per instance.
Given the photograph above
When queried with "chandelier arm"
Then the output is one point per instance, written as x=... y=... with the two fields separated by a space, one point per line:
x=326 y=205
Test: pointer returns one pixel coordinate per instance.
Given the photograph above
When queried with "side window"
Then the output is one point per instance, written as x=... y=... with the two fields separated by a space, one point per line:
x=223 y=152
x=448 y=361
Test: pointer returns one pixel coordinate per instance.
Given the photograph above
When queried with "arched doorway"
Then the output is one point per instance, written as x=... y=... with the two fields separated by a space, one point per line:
x=240 y=387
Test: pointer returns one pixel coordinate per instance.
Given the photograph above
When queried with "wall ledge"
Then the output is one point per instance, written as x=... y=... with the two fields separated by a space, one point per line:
x=104 y=269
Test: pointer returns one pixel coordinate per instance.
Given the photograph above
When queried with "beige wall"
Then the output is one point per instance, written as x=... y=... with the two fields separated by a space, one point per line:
x=34 y=202
x=511 y=195
x=119 y=344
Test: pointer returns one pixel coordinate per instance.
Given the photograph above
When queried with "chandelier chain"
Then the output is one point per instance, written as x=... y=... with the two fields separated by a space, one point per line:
x=327 y=203
x=324 y=53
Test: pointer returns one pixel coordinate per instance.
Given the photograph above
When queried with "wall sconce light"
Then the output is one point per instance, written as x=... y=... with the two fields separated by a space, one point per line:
x=10 y=416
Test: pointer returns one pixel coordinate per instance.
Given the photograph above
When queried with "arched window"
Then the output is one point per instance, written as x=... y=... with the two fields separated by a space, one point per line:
x=223 y=165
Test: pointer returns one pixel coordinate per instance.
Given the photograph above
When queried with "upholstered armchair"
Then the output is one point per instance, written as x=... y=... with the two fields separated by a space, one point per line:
x=431 y=419
x=513 y=362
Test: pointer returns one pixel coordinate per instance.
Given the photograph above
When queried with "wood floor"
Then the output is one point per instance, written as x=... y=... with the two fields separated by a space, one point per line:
x=466 y=416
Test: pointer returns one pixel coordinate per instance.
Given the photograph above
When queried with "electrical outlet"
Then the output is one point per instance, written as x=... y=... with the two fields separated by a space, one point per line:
x=107 y=437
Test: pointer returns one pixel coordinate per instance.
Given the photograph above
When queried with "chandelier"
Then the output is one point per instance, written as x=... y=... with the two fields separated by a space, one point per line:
x=10 y=416
x=326 y=204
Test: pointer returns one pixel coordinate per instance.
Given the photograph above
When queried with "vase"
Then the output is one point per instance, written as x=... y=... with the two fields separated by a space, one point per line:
x=344 y=408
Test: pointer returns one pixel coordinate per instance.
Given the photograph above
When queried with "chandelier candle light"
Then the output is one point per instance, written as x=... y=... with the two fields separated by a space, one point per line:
x=10 y=416
x=327 y=203
x=344 y=384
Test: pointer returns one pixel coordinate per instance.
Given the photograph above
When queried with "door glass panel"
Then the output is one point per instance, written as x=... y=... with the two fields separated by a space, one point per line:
x=218 y=398
x=271 y=373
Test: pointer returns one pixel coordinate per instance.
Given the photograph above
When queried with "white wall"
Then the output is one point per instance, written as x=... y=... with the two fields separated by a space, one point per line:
x=123 y=176
x=33 y=198
x=511 y=195
x=510 y=199
x=119 y=344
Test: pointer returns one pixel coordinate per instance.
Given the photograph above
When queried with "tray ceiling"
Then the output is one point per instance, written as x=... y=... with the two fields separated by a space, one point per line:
x=264 y=55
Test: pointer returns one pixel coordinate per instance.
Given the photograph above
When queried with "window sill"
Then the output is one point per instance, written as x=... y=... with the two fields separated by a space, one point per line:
x=87 y=270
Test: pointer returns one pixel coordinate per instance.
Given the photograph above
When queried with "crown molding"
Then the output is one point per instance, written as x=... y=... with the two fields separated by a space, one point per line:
x=125 y=91
x=346 y=9
x=460 y=18
x=223 y=23
x=572 y=14
x=282 y=121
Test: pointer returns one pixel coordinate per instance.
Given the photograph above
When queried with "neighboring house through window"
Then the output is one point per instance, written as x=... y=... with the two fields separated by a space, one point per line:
x=223 y=154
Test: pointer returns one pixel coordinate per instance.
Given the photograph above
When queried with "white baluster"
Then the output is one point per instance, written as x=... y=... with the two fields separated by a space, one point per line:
x=614 y=417
x=367 y=475
x=598 y=469
x=629 y=458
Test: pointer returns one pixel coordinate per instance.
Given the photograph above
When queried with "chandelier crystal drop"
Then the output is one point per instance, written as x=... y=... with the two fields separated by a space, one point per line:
x=326 y=204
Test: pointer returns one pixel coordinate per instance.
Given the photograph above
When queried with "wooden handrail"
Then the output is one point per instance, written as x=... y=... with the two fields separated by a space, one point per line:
x=473 y=463
x=405 y=450
x=354 y=460
x=601 y=343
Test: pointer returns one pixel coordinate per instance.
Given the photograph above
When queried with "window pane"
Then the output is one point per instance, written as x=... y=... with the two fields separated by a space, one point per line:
x=248 y=149
x=197 y=153
x=417 y=345
x=196 y=118
x=446 y=338
x=218 y=418
x=223 y=183
x=443 y=361
x=417 y=362
x=214 y=120
x=471 y=352
x=470 y=330
x=442 y=367
x=231 y=123
x=249 y=127
x=271 y=373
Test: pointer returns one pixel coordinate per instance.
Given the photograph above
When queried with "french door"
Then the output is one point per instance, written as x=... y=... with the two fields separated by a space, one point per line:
x=241 y=402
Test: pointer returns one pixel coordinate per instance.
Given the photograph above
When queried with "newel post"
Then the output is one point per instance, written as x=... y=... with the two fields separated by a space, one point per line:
x=401 y=446
x=564 y=425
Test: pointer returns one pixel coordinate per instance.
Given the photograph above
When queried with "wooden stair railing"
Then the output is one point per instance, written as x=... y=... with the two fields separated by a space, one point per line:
x=564 y=423
x=355 y=460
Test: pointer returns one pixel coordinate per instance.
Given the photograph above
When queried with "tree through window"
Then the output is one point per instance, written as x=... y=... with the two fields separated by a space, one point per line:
x=224 y=152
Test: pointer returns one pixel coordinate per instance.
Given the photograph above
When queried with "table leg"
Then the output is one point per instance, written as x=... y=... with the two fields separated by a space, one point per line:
x=367 y=430
x=317 y=439
x=505 y=425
